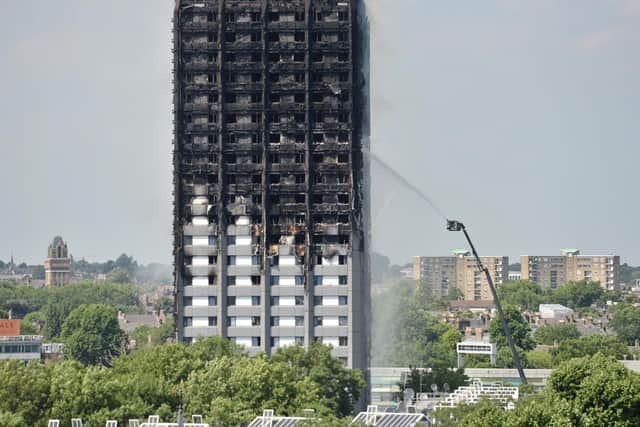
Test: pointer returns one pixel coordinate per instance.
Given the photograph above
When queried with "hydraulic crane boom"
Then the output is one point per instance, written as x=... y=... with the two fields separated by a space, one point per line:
x=458 y=226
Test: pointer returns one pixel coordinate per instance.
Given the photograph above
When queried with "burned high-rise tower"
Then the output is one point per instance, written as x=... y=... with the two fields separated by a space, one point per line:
x=271 y=173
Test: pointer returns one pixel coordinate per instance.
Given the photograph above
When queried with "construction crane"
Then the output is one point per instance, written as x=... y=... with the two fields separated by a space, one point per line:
x=453 y=225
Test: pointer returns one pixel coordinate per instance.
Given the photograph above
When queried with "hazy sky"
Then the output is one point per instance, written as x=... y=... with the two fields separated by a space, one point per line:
x=521 y=118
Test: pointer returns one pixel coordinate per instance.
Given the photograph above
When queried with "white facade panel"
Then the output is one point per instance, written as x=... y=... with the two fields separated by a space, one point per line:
x=287 y=280
x=200 y=220
x=287 y=321
x=330 y=301
x=243 y=280
x=242 y=220
x=200 y=281
x=243 y=260
x=243 y=301
x=200 y=241
x=330 y=280
x=332 y=341
x=287 y=301
x=244 y=341
x=287 y=260
x=243 y=240
x=243 y=321
x=330 y=321
x=199 y=322
x=200 y=260
x=200 y=301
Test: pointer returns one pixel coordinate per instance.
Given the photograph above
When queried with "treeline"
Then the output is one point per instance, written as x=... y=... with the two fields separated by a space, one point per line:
x=45 y=310
x=406 y=332
x=213 y=377
x=590 y=391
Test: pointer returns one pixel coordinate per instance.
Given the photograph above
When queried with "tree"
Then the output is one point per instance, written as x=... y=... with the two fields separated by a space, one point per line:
x=626 y=322
x=520 y=330
x=551 y=334
x=119 y=275
x=523 y=294
x=578 y=294
x=127 y=263
x=338 y=387
x=587 y=346
x=92 y=335
x=539 y=359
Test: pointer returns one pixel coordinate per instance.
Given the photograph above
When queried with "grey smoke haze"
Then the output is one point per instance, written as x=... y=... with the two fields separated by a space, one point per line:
x=520 y=118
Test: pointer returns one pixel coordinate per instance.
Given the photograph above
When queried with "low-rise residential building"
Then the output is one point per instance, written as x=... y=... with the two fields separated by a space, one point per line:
x=554 y=271
x=460 y=271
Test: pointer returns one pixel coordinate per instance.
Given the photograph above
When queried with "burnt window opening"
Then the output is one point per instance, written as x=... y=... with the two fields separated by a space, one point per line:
x=300 y=198
x=344 y=77
x=256 y=158
x=256 y=77
x=230 y=57
x=317 y=37
x=300 y=179
x=210 y=139
x=299 y=219
x=343 y=198
x=343 y=219
x=274 y=77
x=316 y=97
x=273 y=37
x=343 y=16
x=343 y=158
x=274 y=178
x=343 y=57
x=213 y=158
x=274 y=199
x=274 y=57
x=299 y=77
x=189 y=98
x=318 y=158
x=298 y=57
x=316 y=78
x=256 y=37
x=255 y=16
x=275 y=220
x=256 y=179
x=210 y=78
x=211 y=17
x=274 y=158
x=319 y=17
x=212 y=118
x=275 y=117
x=318 y=137
x=212 y=38
x=299 y=98
x=343 y=179
x=256 y=199
x=211 y=58
x=299 y=118
x=317 y=198
x=299 y=36
x=299 y=239
x=343 y=37
x=343 y=137
x=230 y=17
x=256 y=57
x=299 y=16
x=231 y=179
x=274 y=97
x=256 y=98
x=274 y=16
x=231 y=118
x=317 y=57
x=299 y=158
x=230 y=159
x=274 y=138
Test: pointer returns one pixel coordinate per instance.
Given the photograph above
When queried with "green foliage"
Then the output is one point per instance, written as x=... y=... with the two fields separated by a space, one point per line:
x=550 y=334
x=587 y=346
x=339 y=387
x=520 y=330
x=628 y=274
x=158 y=335
x=578 y=294
x=523 y=294
x=211 y=377
x=590 y=391
x=539 y=359
x=420 y=339
x=626 y=322
x=119 y=275
x=92 y=335
x=454 y=294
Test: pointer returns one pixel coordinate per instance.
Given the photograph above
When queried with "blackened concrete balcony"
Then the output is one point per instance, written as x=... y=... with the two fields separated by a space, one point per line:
x=200 y=27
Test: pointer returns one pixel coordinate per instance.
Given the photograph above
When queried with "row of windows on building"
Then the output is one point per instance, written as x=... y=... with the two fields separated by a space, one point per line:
x=256 y=260
x=233 y=17
x=275 y=281
x=285 y=341
x=278 y=301
x=275 y=321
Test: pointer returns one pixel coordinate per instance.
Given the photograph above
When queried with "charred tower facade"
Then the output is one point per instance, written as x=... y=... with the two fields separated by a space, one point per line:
x=271 y=173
